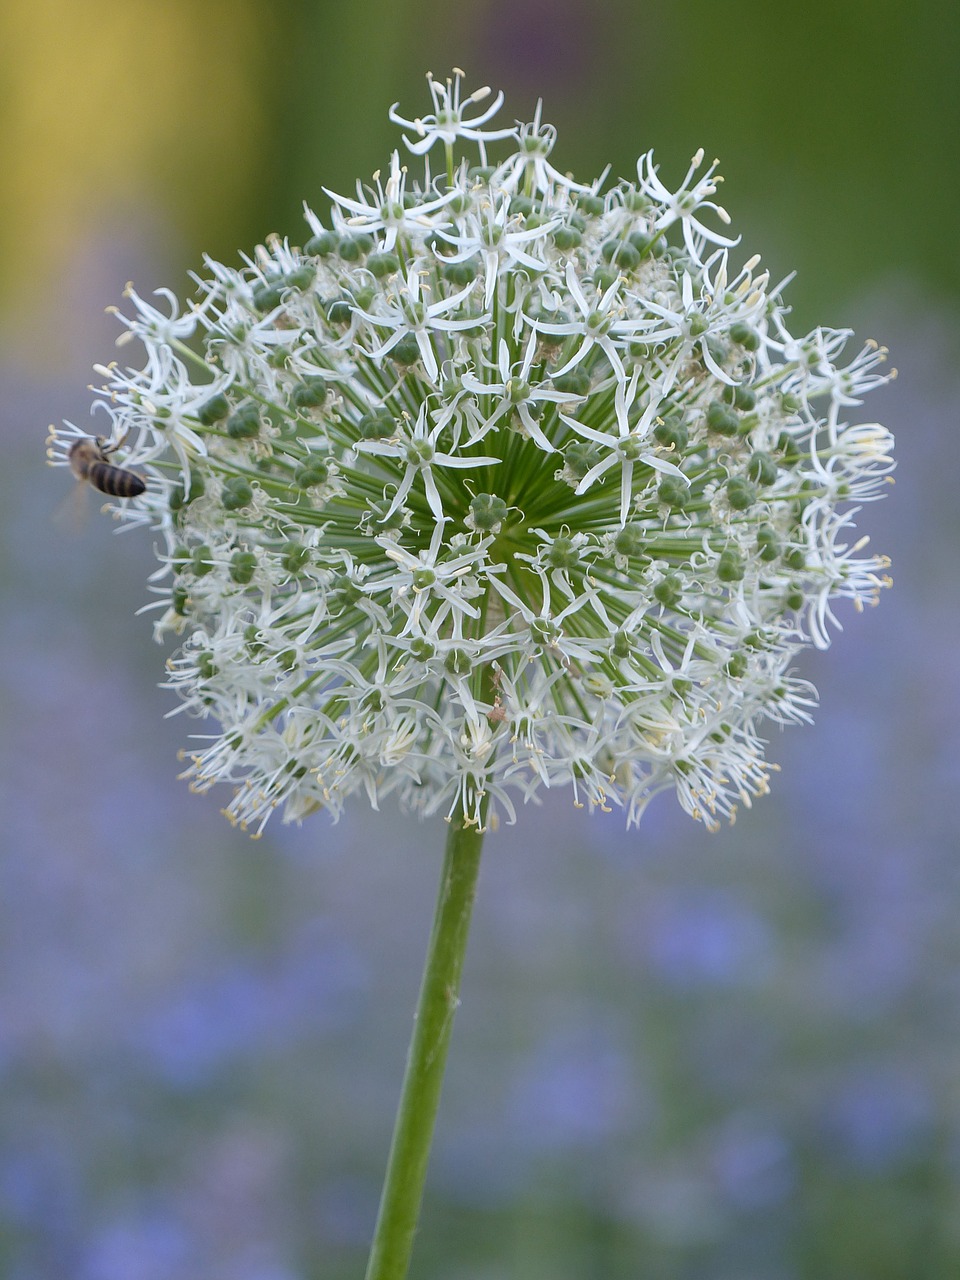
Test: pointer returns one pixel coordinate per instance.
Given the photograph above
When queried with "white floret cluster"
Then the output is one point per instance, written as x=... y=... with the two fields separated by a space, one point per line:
x=501 y=482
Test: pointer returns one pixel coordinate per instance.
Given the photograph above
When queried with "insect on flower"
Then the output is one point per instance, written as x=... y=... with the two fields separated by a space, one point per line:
x=502 y=482
x=89 y=460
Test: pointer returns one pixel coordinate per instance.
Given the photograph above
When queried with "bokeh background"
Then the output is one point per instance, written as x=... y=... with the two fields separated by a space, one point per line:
x=679 y=1056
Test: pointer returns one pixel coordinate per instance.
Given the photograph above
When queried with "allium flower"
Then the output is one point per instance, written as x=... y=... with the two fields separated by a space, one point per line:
x=502 y=482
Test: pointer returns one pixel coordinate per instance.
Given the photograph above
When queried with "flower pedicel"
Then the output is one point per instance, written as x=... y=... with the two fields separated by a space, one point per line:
x=501 y=482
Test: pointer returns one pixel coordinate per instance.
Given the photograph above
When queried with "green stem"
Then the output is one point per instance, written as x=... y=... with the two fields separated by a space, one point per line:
x=427 y=1057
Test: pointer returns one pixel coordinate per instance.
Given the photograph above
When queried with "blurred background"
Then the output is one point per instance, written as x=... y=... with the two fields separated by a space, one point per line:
x=680 y=1056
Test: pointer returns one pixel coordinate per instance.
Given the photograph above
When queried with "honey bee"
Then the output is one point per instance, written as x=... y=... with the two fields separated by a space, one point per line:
x=89 y=460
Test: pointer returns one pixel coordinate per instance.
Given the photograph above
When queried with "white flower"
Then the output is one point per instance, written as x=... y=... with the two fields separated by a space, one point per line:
x=447 y=122
x=389 y=213
x=685 y=203
x=609 y=598
x=407 y=314
x=416 y=447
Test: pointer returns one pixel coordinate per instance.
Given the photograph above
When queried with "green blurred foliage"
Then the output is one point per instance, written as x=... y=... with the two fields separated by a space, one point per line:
x=835 y=124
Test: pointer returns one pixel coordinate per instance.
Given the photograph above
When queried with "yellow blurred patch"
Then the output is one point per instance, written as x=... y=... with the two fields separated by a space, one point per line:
x=118 y=104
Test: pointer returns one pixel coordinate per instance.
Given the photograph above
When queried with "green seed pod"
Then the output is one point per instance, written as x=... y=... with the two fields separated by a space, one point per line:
x=457 y=662
x=768 y=543
x=544 y=631
x=641 y=242
x=747 y=337
x=379 y=522
x=382 y=265
x=178 y=499
x=311 y=393
x=294 y=557
x=459 y=273
x=576 y=382
x=563 y=554
x=741 y=494
x=673 y=493
x=244 y=424
x=353 y=248
x=629 y=541
x=589 y=204
x=788 y=450
x=302 y=278
x=579 y=456
x=672 y=431
x=268 y=296
x=621 y=645
x=762 y=468
x=669 y=590
x=376 y=425
x=794 y=599
x=620 y=253
x=721 y=419
x=697 y=324
x=407 y=351
x=242 y=567
x=795 y=558
x=565 y=238
x=215 y=410
x=201 y=560
x=340 y=311
x=738 y=666
x=487 y=512
x=310 y=474
x=322 y=244
x=347 y=589
x=730 y=566
x=237 y=493
x=743 y=398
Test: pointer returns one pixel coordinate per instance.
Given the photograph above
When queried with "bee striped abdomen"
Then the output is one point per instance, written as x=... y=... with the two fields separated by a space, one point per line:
x=88 y=458
x=115 y=480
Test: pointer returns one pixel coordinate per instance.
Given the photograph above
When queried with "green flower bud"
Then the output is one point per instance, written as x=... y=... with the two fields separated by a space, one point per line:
x=242 y=567
x=376 y=425
x=487 y=513
x=236 y=494
x=673 y=493
x=322 y=245
x=294 y=557
x=669 y=590
x=730 y=566
x=721 y=419
x=215 y=410
x=245 y=423
x=768 y=543
x=762 y=468
x=201 y=560
x=741 y=494
x=310 y=394
x=312 y=473
x=629 y=541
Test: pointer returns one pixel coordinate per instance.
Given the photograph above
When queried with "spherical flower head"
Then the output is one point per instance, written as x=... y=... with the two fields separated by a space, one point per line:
x=502 y=482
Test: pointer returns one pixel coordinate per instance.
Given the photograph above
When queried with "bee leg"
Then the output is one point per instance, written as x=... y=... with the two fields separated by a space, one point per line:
x=106 y=447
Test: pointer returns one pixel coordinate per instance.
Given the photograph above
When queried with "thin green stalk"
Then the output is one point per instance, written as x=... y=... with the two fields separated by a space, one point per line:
x=427 y=1056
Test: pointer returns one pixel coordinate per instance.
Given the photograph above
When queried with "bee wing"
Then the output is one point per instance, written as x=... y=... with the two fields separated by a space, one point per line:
x=72 y=513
